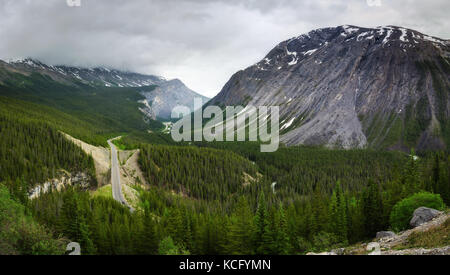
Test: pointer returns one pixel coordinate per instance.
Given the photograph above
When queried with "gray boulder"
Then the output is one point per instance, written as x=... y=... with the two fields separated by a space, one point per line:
x=338 y=251
x=422 y=215
x=385 y=234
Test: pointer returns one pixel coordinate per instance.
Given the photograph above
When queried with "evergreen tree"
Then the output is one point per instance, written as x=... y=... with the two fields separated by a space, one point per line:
x=261 y=225
x=146 y=240
x=240 y=230
x=338 y=214
x=282 y=242
x=373 y=210
x=411 y=178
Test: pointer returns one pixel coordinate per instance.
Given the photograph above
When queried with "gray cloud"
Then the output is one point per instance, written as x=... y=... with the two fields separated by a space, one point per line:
x=202 y=42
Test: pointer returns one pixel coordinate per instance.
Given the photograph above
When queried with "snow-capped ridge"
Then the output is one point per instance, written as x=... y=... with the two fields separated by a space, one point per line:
x=297 y=50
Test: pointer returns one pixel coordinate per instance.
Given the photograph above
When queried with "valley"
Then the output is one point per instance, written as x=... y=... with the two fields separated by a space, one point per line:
x=361 y=138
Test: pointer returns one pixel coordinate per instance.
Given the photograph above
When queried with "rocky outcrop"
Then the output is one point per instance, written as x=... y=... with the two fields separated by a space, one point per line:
x=389 y=243
x=422 y=215
x=352 y=87
x=385 y=234
x=79 y=179
x=160 y=101
x=420 y=251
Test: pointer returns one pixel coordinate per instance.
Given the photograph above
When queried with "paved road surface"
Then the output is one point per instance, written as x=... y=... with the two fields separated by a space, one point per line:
x=115 y=176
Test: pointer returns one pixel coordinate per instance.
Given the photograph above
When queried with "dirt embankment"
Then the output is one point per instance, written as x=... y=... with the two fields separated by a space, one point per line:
x=101 y=158
x=131 y=174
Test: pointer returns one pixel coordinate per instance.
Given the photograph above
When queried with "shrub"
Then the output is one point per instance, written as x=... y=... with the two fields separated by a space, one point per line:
x=324 y=241
x=402 y=212
x=168 y=247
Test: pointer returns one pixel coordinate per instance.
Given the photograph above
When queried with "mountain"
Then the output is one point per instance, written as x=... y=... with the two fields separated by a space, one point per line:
x=99 y=76
x=161 y=95
x=167 y=95
x=353 y=87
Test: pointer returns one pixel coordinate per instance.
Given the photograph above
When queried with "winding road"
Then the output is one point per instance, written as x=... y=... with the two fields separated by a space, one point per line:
x=115 y=176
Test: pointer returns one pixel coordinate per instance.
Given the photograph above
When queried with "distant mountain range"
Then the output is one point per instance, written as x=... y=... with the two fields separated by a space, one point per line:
x=160 y=95
x=353 y=87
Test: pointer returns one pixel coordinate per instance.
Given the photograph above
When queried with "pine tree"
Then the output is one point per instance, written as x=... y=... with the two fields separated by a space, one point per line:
x=338 y=214
x=261 y=225
x=372 y=210
x=282 y=244
x=146 y=241
x=436 y=174
x=411 y=178
x=240 y=230
x=83 y=237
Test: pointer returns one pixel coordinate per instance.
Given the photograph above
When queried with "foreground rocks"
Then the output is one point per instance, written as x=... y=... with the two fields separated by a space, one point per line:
x=422 y=215
x=420 y=251
x=385 y=234
x=389 y=243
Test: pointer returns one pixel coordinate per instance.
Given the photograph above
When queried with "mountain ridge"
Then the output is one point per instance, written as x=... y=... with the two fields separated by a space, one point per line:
x=160 y=95
x=353 y=87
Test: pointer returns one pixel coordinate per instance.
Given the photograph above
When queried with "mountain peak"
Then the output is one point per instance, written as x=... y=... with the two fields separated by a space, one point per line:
x=335 y=86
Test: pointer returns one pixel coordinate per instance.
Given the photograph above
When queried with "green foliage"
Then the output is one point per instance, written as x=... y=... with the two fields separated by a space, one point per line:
x=93 y=113
x=167 y=247
x=206 y=174
x=338 y=214
x=301 y=170
x=324 y=241
x=402 y=212
x=219 y=200
x=101 y=225
x=372 y=209
x=31 y=153
x=146 y=239
x=240 y=230
x=435 y=237
x=417 y=120
x=20 y=233
x=261 y=225
x=439 y=175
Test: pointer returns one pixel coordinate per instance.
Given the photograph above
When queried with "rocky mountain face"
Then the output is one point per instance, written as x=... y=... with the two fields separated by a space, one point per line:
x=167 y=95
x=161 y=95
x=353 y=87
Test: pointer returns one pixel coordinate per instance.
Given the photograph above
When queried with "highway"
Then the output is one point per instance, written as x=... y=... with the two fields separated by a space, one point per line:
x=115 y=176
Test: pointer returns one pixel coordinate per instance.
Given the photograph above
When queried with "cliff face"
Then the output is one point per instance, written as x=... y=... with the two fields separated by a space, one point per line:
x=168 y=95
x=353 y=87
x=79 y=179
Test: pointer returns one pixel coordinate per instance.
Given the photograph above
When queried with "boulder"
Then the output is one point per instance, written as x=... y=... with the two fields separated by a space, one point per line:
x=338 y=251
x=385 y=234
x=422 y=215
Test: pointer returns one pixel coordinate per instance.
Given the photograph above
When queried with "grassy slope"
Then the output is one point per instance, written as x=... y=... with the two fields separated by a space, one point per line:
x=435 y=237
x=99 y=112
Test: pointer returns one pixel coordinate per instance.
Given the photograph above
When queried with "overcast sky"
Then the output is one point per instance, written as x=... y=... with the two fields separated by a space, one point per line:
x=201 y=42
